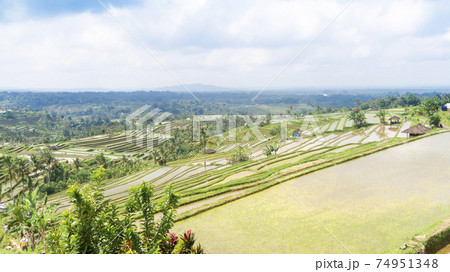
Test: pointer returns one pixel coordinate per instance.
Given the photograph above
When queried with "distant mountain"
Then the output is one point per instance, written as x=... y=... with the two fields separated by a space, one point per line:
x=198 y=87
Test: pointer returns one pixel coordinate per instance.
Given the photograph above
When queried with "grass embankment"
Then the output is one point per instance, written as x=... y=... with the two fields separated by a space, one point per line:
x=428 y=241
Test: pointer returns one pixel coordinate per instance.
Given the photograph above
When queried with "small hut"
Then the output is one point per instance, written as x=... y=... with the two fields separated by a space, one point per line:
x=445 y=107
x=418 y=129
x=394 y=119
x=209 y=151
x=53 y=147
x=297 y=133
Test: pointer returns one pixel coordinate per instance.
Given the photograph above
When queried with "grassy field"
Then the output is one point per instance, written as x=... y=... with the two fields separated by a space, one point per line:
x=371 y=204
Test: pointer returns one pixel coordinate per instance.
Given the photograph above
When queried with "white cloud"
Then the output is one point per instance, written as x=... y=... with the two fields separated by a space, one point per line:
x=238 y=43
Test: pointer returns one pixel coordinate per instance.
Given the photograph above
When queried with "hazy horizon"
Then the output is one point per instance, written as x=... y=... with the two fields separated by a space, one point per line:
x=198 y=87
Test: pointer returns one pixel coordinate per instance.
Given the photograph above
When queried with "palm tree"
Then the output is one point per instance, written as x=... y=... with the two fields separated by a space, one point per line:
x=9 y=166
x=36 y=162
x=22 y=169
x=155 y=155
x=77 y=163
x=357 y=117
x=101 y=159
x=204 y=140
x=46 y=156
x=28 y=215
x=381 y=114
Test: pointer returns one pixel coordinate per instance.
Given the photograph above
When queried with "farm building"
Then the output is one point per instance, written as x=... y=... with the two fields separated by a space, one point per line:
x=394 y=119
x=418 y=129
x=445 y=107
x=53 y=147
x=297 y=133
x=209 y=151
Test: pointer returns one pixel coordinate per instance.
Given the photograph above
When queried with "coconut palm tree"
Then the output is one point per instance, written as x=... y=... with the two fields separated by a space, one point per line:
x=48 y=159
x=8 y=165
x=204 y=142
x=22 y=170
x=77 y=163
x=381 y=114
x=36 y=163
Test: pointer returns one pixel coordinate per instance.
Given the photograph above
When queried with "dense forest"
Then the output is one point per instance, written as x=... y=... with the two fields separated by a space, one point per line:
x=114 y=104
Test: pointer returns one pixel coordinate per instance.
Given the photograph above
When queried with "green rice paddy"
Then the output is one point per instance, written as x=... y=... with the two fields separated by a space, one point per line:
x=371 y=205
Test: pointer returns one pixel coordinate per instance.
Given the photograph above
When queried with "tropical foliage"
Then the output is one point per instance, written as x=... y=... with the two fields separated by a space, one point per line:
x=94 y=225
x=382 y=115
x=358 y=117
x=19 y=175
x=271 y=149
x=240 y=155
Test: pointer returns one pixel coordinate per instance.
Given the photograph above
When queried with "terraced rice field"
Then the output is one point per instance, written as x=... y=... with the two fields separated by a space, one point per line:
x=341 y=124
x=405 y=125
x=371 y=204
x=119 y=142
x=221 y=182
x=381 y=133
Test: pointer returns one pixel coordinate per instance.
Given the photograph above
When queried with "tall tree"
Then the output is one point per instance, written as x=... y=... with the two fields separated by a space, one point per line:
x=22 y=170
x=382 y=115
x=9 y=166
x=48 y=159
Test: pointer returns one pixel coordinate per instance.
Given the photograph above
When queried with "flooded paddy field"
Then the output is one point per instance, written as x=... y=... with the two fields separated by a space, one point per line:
x=381 y=133
x=371 y=205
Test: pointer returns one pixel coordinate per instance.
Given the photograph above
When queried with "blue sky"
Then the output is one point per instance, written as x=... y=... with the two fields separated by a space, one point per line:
x=245 y=43
x=48 y=8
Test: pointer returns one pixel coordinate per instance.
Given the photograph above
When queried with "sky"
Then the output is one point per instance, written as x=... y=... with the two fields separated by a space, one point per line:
x=69 y=44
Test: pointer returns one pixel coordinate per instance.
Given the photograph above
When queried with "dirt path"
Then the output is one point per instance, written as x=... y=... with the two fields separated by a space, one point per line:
x=14 y=244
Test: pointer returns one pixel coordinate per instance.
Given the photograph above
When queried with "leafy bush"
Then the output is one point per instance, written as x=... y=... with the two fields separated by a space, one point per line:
x=94 y=225
x=240 y=155
x=434 y=120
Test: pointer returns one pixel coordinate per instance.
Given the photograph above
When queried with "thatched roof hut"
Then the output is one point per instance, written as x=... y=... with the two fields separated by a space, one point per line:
x=394 y=119
x=53 y=147
x=209 y=151
x=418 y=129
